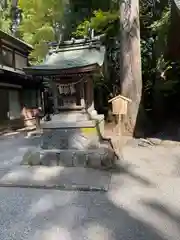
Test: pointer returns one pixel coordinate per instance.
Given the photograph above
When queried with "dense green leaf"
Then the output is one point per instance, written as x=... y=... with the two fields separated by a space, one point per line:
x=101 y=22
x=37 y=26
x=5 y=17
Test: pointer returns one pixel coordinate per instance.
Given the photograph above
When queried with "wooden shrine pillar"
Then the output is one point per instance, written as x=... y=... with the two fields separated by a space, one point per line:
x=55 y=96
x=82 y=95
x=90 y=94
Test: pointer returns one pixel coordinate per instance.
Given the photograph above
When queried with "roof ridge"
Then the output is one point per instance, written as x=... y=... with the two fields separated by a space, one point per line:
x=76 y=47
x=76 y=42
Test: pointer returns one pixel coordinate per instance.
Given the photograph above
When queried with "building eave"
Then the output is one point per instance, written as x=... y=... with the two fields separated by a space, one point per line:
x=11 y=39
x=60 y=72
x=12 y=70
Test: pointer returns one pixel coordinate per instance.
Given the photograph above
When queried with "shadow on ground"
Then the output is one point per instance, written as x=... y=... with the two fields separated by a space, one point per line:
x=128 y=171
x=169 y=131
x=33 y=214
x=74 y=215
x=163 y=211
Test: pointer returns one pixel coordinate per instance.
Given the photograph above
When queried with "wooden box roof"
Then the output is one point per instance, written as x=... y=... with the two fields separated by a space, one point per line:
x=120 y=97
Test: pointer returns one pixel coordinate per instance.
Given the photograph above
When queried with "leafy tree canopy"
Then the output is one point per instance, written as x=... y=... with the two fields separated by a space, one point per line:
x=5 y=16
x=101 y=22
x=161 y=29
x=105 y=22
x=41 y=23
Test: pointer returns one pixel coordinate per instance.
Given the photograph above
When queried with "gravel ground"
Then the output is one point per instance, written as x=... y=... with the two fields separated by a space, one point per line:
x=142 y=203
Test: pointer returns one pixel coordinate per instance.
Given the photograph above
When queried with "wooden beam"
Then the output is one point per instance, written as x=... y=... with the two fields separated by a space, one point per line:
x=10 y=85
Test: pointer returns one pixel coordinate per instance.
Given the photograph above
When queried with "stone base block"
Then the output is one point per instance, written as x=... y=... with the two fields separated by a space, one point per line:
x=108 y=156
x=31 y=157
x=80 y=159
x=66 y=158
x=49 y=159
x=94 y=158
x=72 y=138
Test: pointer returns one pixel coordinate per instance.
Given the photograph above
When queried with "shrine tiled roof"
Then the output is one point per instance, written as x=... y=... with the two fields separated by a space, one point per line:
x=70 y=56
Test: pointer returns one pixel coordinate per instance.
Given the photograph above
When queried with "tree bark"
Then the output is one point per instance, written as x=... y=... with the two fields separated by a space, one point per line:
x=131 y=79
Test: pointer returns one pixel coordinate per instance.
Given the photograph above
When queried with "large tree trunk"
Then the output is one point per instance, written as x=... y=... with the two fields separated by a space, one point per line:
x=131 y=79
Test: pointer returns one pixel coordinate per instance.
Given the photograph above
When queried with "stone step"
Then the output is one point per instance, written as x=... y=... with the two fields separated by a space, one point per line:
x=92 y=158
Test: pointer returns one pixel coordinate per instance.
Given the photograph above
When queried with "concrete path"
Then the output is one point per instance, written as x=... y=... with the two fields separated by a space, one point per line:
x=143 y=201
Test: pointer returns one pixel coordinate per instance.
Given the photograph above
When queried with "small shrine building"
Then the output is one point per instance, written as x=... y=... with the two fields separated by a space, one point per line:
x=69 y=70
x=75 y=133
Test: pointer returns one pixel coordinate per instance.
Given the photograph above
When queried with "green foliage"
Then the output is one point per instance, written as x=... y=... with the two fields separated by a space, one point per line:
x=163 y=23
x=101 y=22
x=154 y=20
x=160 y=74
x=38 y=24
x=82 y=29
x=161 y=28
x=105 y=22
x=5 y=17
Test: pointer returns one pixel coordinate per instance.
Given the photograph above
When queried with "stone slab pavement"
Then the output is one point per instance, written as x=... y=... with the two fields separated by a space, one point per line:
x=12 y=149
x=142 y=202
x=67 y=178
